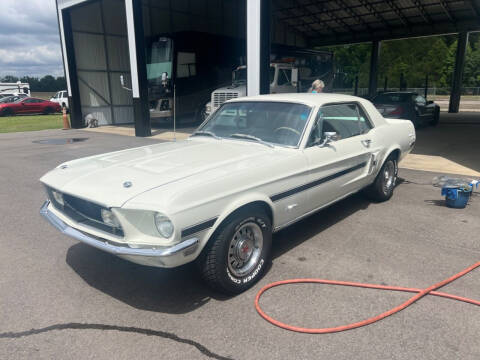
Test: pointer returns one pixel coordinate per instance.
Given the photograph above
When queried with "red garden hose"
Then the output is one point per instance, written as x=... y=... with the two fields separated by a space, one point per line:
x=420 y=293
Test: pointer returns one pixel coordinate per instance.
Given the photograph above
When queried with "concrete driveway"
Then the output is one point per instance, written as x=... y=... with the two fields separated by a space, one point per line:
x=62 y=299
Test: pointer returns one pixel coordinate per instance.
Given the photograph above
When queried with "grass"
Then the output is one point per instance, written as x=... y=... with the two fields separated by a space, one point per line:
x=30 y=123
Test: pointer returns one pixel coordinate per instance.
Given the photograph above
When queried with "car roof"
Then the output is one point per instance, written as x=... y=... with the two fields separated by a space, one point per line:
x=310 y=99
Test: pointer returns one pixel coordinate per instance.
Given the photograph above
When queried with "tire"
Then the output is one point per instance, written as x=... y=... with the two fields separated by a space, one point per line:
x=384 y=184
x=48 y=111
x=238 y=253
x=7 y=112
x=436 y=117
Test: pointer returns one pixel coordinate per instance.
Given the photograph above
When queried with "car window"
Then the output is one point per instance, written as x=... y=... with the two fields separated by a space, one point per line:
x=363 y=121
x=284 y=76
x=420 y=100
x=273 y=122
x=390 y=98
x=346 y=120
x=30 y=101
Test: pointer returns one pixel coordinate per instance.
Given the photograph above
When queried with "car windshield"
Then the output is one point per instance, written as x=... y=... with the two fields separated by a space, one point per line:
x=261 y=121
x=392 y=98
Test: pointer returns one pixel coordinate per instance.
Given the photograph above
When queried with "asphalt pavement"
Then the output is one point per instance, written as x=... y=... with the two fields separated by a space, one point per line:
x=62 y=299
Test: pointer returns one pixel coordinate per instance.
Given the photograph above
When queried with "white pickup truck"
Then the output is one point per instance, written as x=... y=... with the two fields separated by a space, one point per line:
x=283 y=79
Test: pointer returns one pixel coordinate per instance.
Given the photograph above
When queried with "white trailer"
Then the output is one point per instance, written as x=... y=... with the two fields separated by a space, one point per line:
x=18 y=88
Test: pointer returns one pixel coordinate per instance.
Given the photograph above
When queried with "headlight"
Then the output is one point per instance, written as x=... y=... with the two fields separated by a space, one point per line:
x=109 y=218
x=58 y=197
x=164 y=225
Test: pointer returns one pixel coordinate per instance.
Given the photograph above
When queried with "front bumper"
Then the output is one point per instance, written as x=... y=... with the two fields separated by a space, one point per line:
x=156 y=256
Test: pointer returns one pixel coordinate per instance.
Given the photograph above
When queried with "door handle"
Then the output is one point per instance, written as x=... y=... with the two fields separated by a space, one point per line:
x=366 y=142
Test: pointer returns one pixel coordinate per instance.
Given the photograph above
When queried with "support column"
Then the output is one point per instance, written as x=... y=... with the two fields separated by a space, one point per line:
x=138 y=69
x=258 y=47
x=70 y=67
x=454 y=104
x=372 y=82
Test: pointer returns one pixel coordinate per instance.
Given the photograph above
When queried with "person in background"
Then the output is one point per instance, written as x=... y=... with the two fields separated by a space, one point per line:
x=317 y=86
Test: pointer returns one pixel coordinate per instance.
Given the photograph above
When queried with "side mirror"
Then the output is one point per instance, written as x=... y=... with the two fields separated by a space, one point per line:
x=329 y=137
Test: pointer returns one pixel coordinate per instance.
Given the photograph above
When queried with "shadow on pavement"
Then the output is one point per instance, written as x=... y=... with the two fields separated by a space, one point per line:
x=175 y=291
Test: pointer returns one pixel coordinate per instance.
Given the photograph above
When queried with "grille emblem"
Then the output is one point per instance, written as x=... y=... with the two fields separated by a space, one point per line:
x=127 y=184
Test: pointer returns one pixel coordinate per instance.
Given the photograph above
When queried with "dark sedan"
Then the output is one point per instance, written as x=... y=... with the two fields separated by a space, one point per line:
x=29 y=106
x=408 y=105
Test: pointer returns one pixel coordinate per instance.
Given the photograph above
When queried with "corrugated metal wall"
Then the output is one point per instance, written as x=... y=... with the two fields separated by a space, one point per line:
x=101 y=53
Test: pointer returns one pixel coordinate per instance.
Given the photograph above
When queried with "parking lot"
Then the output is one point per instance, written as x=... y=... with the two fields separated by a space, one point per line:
x=60 y=299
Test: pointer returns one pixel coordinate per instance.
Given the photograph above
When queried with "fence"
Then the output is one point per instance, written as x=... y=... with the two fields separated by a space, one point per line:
x=432 y=91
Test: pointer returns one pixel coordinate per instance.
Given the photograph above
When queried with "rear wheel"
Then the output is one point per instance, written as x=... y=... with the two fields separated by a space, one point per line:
x=237 y=255
x=48 y=111
x=384 y=184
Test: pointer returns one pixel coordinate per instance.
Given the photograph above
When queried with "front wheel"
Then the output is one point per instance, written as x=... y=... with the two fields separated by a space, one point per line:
x=237 y=255
x=384 y=184
x=7 y=112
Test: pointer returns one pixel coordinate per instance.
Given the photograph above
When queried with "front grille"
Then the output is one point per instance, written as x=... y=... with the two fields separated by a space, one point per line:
x=83 y=212
x=220 y=97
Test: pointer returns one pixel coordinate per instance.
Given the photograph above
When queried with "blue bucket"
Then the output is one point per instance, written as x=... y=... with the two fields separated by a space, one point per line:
x=459 y=201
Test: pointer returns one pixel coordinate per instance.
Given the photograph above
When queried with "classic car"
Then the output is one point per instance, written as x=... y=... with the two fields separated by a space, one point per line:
x=255 y=166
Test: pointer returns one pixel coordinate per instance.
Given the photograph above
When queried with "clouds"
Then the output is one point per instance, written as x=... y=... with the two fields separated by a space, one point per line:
x=29 y=40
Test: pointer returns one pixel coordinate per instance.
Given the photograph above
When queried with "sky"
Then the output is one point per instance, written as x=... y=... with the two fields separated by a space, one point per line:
x=29 y=39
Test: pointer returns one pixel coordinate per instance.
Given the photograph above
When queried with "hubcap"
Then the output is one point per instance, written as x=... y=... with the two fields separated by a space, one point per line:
x=389 y=176
x=245 y=249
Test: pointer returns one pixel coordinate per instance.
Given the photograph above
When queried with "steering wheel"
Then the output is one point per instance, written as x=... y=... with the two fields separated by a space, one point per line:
x=287 y=128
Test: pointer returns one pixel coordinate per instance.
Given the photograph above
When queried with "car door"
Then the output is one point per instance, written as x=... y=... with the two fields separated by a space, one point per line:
x=29 y=106
x=342 y=166
x=424 y=111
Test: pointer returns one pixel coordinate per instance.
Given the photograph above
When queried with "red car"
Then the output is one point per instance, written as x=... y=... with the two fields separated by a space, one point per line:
x=29 y=106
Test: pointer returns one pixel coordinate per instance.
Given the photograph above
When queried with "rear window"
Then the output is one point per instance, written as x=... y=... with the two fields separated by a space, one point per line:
x=392 y=98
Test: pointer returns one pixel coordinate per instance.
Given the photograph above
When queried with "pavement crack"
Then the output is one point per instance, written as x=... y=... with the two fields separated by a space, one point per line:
x=131 y=329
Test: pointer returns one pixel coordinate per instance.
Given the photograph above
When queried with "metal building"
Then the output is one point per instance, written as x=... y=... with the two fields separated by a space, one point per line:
x=149 y=42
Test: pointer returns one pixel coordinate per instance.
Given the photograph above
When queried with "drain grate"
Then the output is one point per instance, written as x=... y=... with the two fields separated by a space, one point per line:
x=61 y=141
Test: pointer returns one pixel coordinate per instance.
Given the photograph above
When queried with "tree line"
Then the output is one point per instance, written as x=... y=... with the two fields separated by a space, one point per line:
x=409 y=59
x=47 y=83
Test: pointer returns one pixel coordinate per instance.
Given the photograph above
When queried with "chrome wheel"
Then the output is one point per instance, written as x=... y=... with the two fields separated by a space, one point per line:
x=245 y=249
x=388 y=176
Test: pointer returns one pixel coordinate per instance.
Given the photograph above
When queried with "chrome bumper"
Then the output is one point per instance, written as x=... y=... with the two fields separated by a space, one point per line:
x=161 y=257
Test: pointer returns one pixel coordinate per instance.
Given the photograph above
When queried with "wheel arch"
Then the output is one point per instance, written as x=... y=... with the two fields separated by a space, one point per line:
x=258 y=201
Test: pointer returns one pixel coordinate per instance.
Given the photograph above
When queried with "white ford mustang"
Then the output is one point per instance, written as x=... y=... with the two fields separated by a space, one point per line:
x=256 y=165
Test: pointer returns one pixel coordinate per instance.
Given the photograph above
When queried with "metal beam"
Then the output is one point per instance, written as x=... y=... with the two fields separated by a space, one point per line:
x=372 y=82
x=422 y=11
x=456 y=92
x=398 y=32
x=138 y=69
x=398 y=12
x=447 y=10
x=258 y=47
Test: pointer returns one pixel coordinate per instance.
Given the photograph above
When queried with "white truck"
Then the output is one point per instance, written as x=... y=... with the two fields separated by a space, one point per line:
x=283 y=79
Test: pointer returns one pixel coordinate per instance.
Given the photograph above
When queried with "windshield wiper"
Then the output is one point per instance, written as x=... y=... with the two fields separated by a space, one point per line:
x=206 y=133
x=251 y=137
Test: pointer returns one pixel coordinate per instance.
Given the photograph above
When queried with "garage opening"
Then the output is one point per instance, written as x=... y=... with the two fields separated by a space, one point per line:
x=101 y=55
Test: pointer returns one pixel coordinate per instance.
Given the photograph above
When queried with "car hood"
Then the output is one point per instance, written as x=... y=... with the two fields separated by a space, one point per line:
x=114 y=178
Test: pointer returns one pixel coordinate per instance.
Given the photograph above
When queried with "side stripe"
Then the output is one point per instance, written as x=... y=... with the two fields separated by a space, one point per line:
x=198 y=227
x=312 y=184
